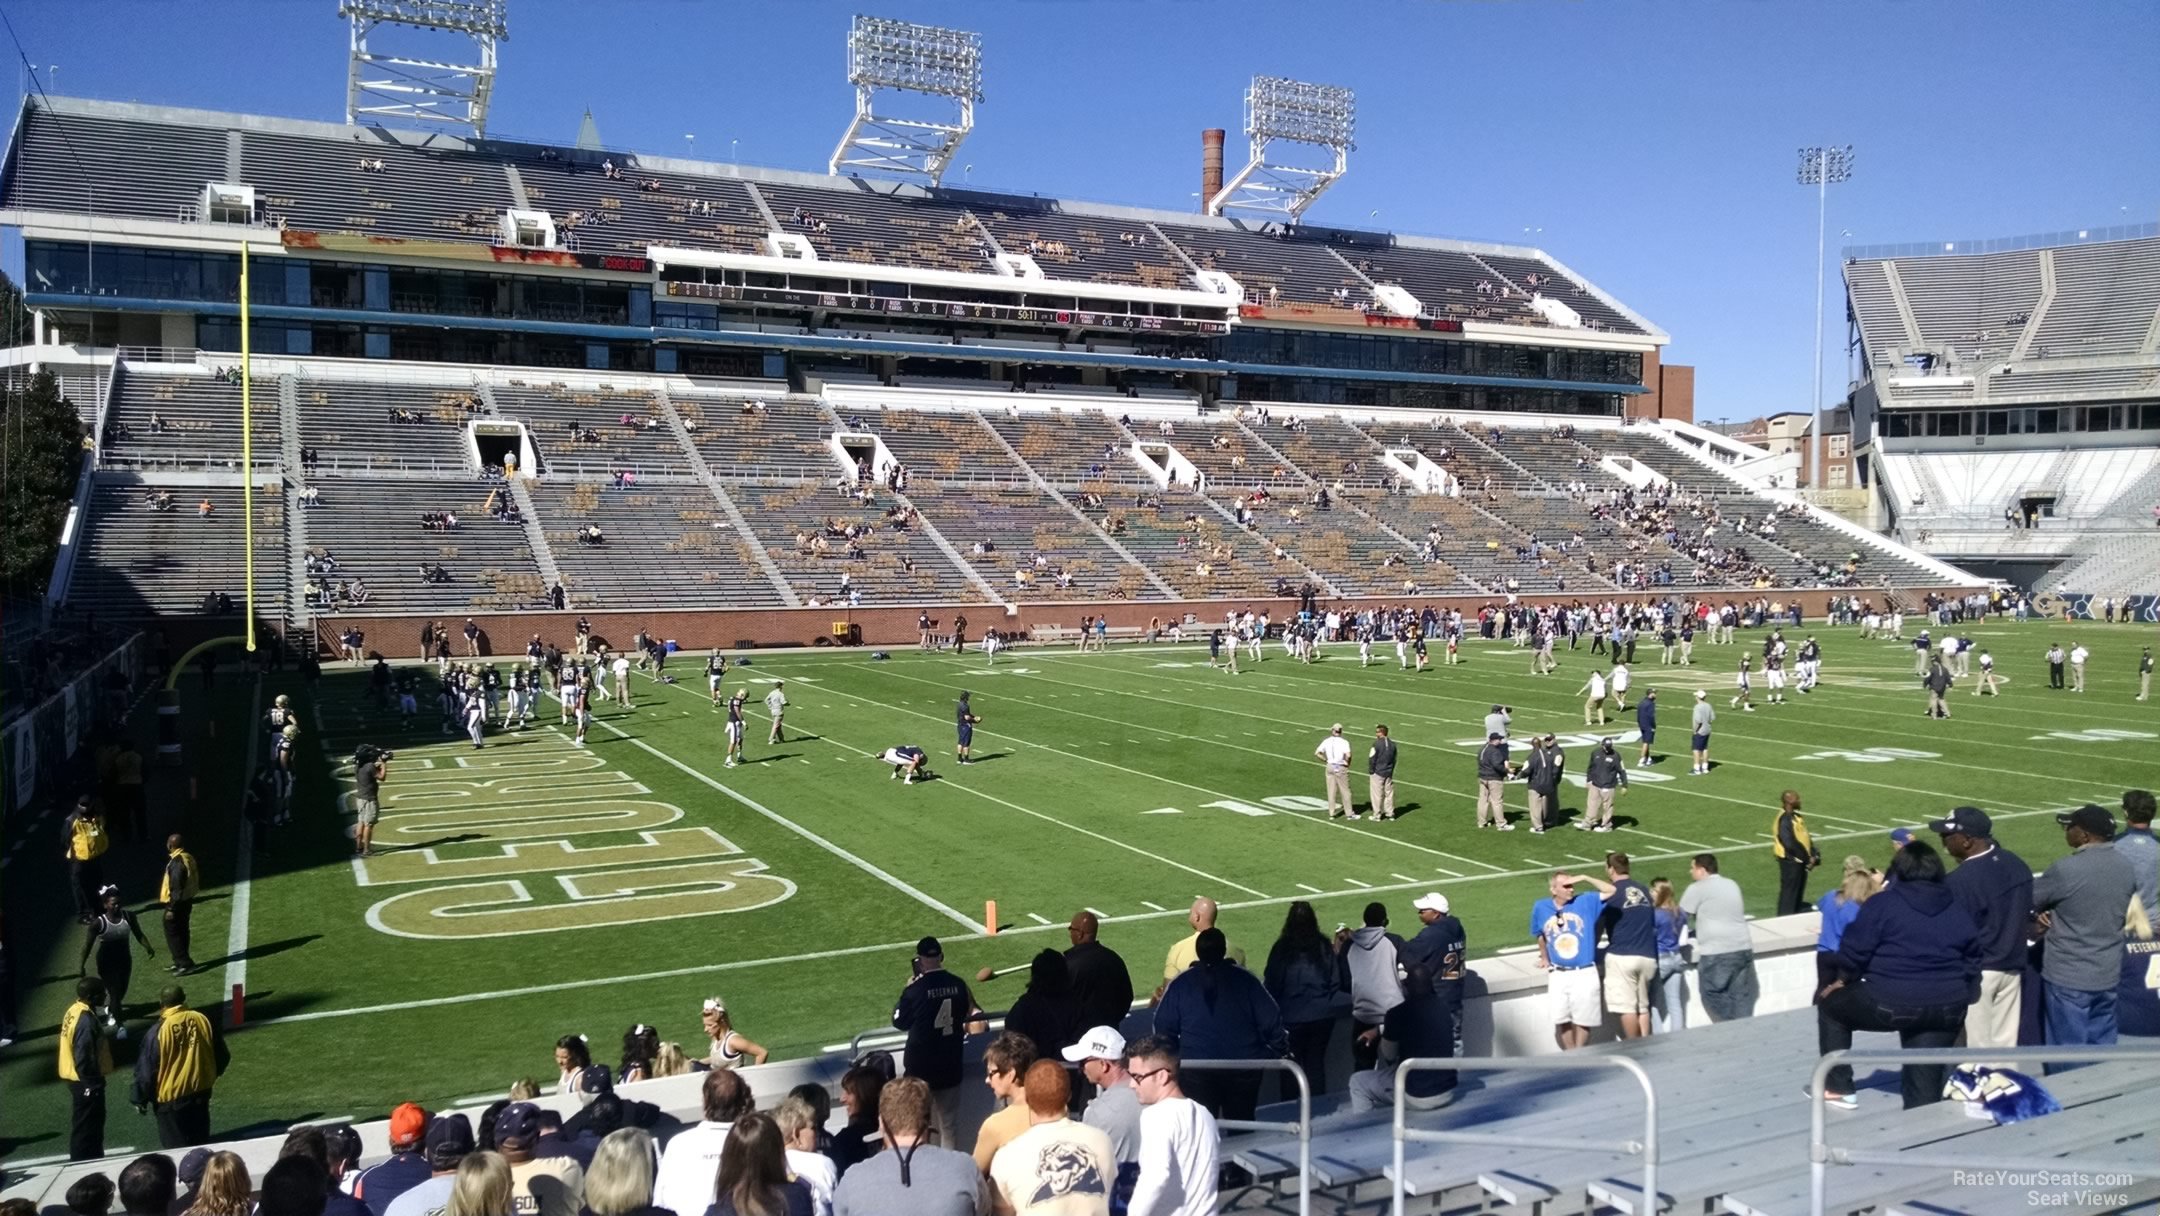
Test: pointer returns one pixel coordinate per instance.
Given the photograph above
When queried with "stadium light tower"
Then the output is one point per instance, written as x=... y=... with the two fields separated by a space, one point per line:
x=398 y=84
x=1821 y=168
x=1280 y=111
x=886 y=56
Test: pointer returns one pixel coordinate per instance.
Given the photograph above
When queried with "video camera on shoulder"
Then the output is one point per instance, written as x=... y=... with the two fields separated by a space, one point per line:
x=367 y=754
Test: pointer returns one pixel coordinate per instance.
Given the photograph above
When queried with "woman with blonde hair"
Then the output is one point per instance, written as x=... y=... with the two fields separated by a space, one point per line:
x=1668 y=990
x=670 y=1061
x=799 y=1124
x=524 y=1089
x=620 y=1180
x=482 y=1187
x=225 y=1188
x=729 y=1045
x=1839 y=908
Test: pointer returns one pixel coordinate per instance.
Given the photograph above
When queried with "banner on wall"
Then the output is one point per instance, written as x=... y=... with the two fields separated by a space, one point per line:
x=39 y=744
x=2085 y=607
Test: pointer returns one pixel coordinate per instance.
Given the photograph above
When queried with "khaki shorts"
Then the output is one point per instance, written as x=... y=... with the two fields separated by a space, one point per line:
x=1627 y=982
x=1574 y=996
x=368 y=812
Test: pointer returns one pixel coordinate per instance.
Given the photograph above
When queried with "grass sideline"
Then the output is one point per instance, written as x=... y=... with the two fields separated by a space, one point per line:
x=1127 y=783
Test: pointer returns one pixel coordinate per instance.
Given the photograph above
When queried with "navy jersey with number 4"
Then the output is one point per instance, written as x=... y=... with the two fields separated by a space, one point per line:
x=934 y=1010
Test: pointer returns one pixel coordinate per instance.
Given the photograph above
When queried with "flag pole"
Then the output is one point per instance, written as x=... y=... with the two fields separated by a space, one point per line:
x=247 y=449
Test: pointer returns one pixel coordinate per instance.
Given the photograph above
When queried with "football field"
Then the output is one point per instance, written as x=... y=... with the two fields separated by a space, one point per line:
x=533 y=888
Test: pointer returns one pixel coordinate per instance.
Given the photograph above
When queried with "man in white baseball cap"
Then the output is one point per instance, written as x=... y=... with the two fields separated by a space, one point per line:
x=1441 y=946
x=1115 y=1111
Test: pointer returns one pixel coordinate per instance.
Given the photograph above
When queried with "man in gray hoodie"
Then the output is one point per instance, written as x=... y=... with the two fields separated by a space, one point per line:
x=1368 y=958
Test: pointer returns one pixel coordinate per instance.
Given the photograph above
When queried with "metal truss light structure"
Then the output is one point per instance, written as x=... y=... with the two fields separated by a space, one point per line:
x=1281 y=111
x=886 y=57
x=396 y=83
x=1822 y=168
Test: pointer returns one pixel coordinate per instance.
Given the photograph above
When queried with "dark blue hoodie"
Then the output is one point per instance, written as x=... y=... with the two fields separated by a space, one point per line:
x=1912 y=944
x=1220 y=1011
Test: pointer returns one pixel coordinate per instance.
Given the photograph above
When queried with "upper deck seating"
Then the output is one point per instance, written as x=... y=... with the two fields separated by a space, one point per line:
x=860 y=224
x=594 y=431
x=188 y=419
x=1273 y=268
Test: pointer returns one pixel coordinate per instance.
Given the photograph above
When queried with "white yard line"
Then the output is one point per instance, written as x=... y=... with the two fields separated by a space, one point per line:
x=243 y=883
x=889 y=879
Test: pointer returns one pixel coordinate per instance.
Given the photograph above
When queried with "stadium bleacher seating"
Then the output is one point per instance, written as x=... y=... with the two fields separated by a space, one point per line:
x=1331 y=451
x=349 y=423
x=598 y=213
x=152 y=170
x=1074 y=246
x=1195 y=550
x=863 y=224
x=1534 y=275
x=760 y=436
x=371 y=526
x=141 y=561
x=1071 y=447
x=1015 y=524
x=419 y=193
x=2106 y=296
x=898 y=565
x=1273 y=267
x=594 y=431
x=942 y=446
x=661 y=544
x=191 y=419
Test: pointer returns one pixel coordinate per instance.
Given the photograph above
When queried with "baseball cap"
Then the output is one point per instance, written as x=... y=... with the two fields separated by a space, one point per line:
x=448 y=1140
x=1700 y=695
x=1969 y=820
x=1901 y=836
x=1431 y=901
x=191 y=1167
x=1494 y=735
x=929 y=948
x=519 y=1122
x=1336 y=729
x=2092 y=818
x=408 y=1124
x=594 y=1080
x=1101 y=1043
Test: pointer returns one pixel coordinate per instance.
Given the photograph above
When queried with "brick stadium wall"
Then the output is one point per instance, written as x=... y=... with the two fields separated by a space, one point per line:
x=504 y=634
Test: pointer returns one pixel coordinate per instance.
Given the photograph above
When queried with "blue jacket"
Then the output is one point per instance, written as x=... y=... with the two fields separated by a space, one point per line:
x=1913 y=944
x=1221 y=1012
x=1837 y=915
x=1646 y=716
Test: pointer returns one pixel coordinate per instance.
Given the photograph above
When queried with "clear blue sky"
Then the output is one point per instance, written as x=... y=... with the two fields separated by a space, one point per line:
x=1649 y=145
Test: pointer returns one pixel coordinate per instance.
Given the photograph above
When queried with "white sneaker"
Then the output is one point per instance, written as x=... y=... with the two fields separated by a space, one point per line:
x=1507 y=827
x=1603 y=827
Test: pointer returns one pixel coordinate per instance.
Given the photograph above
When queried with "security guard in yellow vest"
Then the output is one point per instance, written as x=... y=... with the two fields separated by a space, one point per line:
x=181 y=1058
x=85 y=1058
x=177 y=891
x=87 y=841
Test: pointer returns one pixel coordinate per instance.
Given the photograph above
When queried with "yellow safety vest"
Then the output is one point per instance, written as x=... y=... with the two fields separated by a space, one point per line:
x=189 y=884
x=86 y=838
x=187 y=1058
x=68 y=1022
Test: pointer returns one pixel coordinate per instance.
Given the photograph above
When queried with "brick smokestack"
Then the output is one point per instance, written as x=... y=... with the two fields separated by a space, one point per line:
x=1211 y=145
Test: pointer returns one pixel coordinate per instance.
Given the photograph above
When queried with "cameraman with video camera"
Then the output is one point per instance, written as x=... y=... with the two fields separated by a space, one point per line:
x=371 y=765
x=938 y=1013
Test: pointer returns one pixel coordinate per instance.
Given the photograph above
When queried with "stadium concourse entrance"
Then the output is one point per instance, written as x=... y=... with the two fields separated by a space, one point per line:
x=492 y=441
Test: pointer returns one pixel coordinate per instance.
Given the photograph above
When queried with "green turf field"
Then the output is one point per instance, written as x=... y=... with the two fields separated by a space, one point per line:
x=532 y=889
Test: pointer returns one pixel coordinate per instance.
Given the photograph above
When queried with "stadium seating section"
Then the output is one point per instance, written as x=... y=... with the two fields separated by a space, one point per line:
x=313 y=177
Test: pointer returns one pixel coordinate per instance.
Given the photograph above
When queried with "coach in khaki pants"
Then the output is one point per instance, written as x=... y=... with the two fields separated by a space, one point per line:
x=1380 y=774
x=1995 y=887
x=1334 y=751
x=1493 y=769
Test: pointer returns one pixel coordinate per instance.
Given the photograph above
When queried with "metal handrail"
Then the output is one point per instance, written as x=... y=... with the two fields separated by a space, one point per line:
x=1301 y=1127
x=1647 y=1147
x=1821 y=1156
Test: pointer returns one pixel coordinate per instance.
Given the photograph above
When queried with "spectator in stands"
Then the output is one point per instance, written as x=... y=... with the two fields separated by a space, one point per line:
x=297 y=1185
x=620 y=1182
x=1045 y=1012
x=2082 y=901
x=685 y=1181
x=800 y=1124
x=2137 y=845
x=1368 y=968
x=1995 y=887
x=1838 y=907
x=407 y=1166
x=1668 y=1005
x=446 y=1145
x=1115 y=1109
x=1724 y=948
x=1005 y=1065
x=543 y=1185
x=1178 y=1137
x=915 y=1176
x=205 y=508
x=484 y=1186
x=1217 y=1010
x=226 y=1189
x=90 y=1195
x=1102 y=991
x=1300 y=975
x=1910 y=963
x=859 y=1090
x=1056 y=1165
x=1425 y=1025
x=148 y=1186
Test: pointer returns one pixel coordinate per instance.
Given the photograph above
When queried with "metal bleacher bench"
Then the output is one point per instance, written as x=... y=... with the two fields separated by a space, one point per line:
x=1051 y=635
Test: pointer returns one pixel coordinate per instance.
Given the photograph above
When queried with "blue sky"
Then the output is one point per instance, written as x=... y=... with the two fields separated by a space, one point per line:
x=1650 y=146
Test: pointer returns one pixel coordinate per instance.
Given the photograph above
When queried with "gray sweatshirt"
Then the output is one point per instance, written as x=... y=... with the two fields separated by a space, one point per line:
x=1369 y=962
x=2086 y=893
